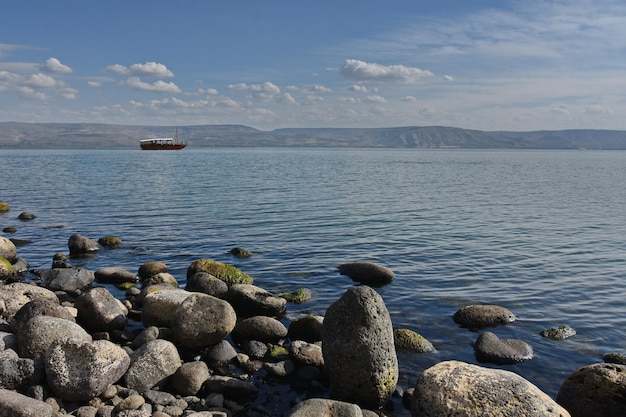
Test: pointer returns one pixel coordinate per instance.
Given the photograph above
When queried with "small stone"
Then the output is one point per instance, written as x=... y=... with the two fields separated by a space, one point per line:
x=299 y=296
x=240 y=252
x=558 y=333
x=479 y=316
x=25 y=216
x=367 y=273
x=490 y=348
x=406 y=339
x=110 y=242
x=614 y=357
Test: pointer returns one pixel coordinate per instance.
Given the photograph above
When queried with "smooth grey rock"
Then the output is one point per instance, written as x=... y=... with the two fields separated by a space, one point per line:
x=595 y=391
x=151 y=364
x=490 y=348
x=220 y=354
x=306 y=353
x=453 y=388
x=41 y=331
x=249 y=300
x=480 y=316
x=81 y=245
x=115 y=275
x=367 y=273
x=66 y=279
x=189 y=378
x=15 y=296
x=79 y=371
x=207 y=284
x=159 y=308
x=13 y=404
x=99 y=311
x=202 y=320
x=40 y=307
x=7 y=249
x=261 y=328
x=148 y=269
x=315 y=407
x=359 y=353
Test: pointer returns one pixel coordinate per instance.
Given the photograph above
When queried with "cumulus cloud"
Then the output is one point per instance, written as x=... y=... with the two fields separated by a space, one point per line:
x=358 y=88
x=53 y=65
x=157 y=86
x=363 y=71
x=320 y=89
x=94 y=83
x=409 y=99
x=597 y=110
x=448 y=78
x=208 y=91
x=265 y=91
x=40 y=81
x=148 y=69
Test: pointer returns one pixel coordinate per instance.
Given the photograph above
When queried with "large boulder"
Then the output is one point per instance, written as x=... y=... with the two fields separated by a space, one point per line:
x=249 y=300
x=595 y=390
x=202 y=320
x=15 y=296
x=39 y=307
x=228 y=273
x=479 y=316
x=367 y=273
x=13 y=404
x=82 y=245
x=207 y=284
x=38 y=334
x=359 y=353
x=159 y=307
x=7 y=249
x=490 y=348
x=79 y=370
x=152 y=364
x=453 y=388
x=99 y=311
x=66 y=279
x=315 y=407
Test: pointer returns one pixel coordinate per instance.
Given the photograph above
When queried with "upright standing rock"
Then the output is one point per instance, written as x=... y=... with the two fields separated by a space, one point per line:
x=358 y=348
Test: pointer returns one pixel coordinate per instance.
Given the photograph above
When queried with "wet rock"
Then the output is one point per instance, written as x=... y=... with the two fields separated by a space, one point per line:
x=19 y=373
x=299 y=296
x=233 y=388
x=20 y=266
x=14 y=296
x=160 y=278
x=306 y=353
x=160 y=307
x=38 y=334
x=490 y=348
x=558 y=333
x=405 y=339
x=66 y=279
x=202 y=320
x=79 y=370
x=111 y=242
x=249 y=300
x=614 y=357
x=39 y=307
x=280 y=369
x=595 y=390
x=99 y=311
x=189 y=378
x=207 y=284
x=59 y=260
x=367 y=273
x=13 y=404
x=254 y=348
x=4 y=207
x=453 y=388
x=115 y=275
x=240 y=252
x=261 y=328
x=227 y=273
x=359 y=354
x=307 y=328
x=148 y=269
x=152 y=364
x=26 y=216
x=6 y=269
x=480 y=316
x=81 y=245
x=314 y=407
x=220 y=354
x=8 y=250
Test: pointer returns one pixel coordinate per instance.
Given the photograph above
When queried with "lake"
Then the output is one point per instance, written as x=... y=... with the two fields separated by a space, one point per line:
x=542 y=233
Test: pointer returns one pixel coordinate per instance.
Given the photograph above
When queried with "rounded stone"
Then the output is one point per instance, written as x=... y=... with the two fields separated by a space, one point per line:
x=202 y=320
x=189 y=378
x=110 y=241
x=227 y=273
x=7 y=249
x=152 y=364
x=261 y=328
x=38 y=334
x=148 y=269
x=207 y=284
x=39 y=307
x=490 y=348
x=359 y=353
x=249 y=300
x=453 y=388
x=115 y=275
x=15 y=404
x=367 y=273
x=99 y=311
x=323 y=407
x=307 y=328
x=26 y=215
x=159 y=307
x=558 y=333
x=16 y=295
x=81 y=245
x=594 y=391
x=479 y=316
x=4 y=207
x=66 y=279
x=405 y=339
x=306 y=353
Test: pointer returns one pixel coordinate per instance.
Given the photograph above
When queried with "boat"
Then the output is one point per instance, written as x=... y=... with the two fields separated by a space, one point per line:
x=162 y=144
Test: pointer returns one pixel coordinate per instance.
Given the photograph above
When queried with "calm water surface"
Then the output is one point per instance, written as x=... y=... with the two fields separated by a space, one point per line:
x=542 y=233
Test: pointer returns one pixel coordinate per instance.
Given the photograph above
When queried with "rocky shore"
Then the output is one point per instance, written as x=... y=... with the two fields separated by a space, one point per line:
x=221 y=346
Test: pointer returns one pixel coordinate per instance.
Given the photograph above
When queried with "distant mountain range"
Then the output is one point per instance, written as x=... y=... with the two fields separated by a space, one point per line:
x=94 y=135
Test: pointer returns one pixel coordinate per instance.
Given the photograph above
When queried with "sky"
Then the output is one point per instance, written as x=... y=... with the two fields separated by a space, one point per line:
x=487 y=65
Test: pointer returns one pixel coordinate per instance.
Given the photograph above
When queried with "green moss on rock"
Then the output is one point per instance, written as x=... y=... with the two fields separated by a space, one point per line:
x=110 y=241
x=240 y=252
x=406 y=339
x=299 y=296
x=9 y=230
x=6 y=269
x=228 y=273
x=4 y=207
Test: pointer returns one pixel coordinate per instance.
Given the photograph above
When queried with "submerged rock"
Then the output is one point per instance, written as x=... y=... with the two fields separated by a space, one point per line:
x=479 y=316
x=227 y=273
x=240 y=252
x=82 y=245
x=406 y=339
x=558 y=333
x=359 y=353
x=454 y=388
x=111 y=242
x=367 y=273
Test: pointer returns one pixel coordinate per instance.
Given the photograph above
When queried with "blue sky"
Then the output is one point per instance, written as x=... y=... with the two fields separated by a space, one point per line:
x=489 y=65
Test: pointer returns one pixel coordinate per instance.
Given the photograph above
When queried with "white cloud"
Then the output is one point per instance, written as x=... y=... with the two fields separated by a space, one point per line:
x=362 y=71
x=374 y=99
x=149 y=69
x=597 y=110
x=157 y=86
x=265 y=91
x=207 y=91
x=286 y=98
x=358 y=88
x=448 y=78
x=409 y=99
x=94 y=83
x=320 y=89
x=53 y=65
x=40 y=81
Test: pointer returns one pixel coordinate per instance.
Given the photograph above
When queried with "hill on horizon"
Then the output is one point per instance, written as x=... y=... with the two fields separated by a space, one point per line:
x=99 y=135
